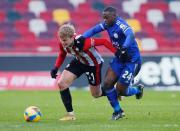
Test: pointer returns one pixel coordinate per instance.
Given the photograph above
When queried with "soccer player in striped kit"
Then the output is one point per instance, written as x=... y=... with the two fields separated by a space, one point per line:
x=86 y=60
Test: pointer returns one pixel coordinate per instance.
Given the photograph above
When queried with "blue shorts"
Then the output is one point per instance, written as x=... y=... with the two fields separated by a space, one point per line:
x=125 y=71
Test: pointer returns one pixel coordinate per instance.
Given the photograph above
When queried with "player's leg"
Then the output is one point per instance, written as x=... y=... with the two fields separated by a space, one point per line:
x=124 y=90
x=111 y=93
x=71 y=72
x=94 y=77
x=124 y=83
x=93 y=74
x=140 y=86
x=64 y=83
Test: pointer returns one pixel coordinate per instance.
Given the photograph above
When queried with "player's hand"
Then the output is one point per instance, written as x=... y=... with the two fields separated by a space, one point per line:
x=54 y=72
x=79 y=42
x=120 y=52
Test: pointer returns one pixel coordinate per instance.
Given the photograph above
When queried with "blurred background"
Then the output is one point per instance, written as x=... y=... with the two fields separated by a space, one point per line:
x=28 y=39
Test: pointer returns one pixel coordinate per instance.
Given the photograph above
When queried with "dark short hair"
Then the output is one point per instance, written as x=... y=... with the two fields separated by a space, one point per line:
x=110 y=9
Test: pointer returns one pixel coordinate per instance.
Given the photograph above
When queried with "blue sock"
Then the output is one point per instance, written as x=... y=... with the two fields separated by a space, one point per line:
x=113 y=99
x=132 y=91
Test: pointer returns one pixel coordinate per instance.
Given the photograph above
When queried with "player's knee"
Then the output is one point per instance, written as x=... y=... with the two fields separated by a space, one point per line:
x=96 y=94
x=122 y=87
x=106 y=86
x=124 y=81
x=122 y=91
x=62 y=85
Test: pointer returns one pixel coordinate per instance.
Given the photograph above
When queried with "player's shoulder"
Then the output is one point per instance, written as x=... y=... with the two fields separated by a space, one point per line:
x=122 y=24
x=80 y=40
x=120 y=21
x=62 y=49
x=76 y=37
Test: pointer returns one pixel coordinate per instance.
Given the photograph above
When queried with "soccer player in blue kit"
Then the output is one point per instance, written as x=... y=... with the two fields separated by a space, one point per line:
x=127 y=61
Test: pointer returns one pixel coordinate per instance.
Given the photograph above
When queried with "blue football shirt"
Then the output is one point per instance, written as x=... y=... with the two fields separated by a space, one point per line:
x=119 y=34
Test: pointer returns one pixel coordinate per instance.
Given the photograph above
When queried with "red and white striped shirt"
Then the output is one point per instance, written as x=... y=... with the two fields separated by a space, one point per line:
x=88 y=56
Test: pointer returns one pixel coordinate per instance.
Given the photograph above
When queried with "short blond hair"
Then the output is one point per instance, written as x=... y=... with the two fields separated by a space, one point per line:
x=66 y=30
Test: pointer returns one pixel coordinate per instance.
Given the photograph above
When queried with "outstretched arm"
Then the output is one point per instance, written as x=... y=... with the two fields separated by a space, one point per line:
x=61 y=57
x=98 y=42
x=59 y=61
x=94 y=30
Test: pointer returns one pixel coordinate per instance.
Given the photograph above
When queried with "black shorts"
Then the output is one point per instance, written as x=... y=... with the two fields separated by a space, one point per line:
x=93 y=73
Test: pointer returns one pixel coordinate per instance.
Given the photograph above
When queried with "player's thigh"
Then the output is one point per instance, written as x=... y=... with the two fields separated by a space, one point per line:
x=110 y=78
x=93 y=74
x=72 y=71
x=75 y=67
x=127 y=74
x=66 y=79
x=113 y=72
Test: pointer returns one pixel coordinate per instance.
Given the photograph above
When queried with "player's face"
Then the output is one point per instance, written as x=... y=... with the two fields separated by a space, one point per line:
x=66 y=41
x=108 y=17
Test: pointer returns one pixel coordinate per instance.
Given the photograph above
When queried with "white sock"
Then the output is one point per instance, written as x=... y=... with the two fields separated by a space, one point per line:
x=71 y=113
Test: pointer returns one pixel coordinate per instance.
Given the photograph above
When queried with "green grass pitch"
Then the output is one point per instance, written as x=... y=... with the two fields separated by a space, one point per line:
x=157 y=111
